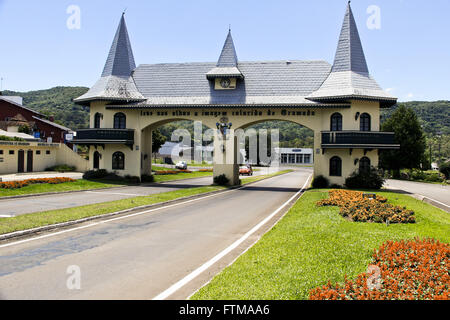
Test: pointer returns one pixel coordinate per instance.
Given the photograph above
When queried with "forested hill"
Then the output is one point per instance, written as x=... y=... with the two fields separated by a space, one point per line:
x=435 y=116
x=57 y=102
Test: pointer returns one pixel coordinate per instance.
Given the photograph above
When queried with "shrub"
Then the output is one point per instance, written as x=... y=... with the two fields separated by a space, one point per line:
x=445 y=169
x=147 y=178
x=371 y=179
x=355 y=206
x=95 y=174
x=406 y=270
x=131 y=179
x=320 y=182
x=61 y=168
x=221 y=180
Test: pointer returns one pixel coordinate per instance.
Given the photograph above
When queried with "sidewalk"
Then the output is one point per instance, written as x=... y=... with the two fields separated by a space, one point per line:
x=39 y=175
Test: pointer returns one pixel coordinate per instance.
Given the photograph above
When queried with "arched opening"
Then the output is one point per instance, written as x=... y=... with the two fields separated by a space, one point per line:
x=97 y=120
x=364 y=122
x=335 y=167
x=364 y=165
x=96 y=164
x=336 y=122
x=296 y=142
x=120 y=121
x=118 y=161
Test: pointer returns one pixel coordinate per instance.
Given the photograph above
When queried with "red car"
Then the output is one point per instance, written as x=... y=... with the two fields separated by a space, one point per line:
x=246 y=171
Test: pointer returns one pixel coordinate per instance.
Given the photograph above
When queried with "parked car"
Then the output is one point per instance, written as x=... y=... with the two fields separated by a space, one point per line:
x=247 y=170
x=182 y=165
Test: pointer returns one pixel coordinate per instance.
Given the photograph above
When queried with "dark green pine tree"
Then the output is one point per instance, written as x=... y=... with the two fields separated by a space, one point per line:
x=409 y=134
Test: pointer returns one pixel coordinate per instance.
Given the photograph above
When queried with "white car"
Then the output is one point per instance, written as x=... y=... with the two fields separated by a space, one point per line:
x=182 y=165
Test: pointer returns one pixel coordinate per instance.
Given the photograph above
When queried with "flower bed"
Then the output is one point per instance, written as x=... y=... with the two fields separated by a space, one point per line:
x=205 y=170
x=24 y=183
x=408 y=270
x=356 y=207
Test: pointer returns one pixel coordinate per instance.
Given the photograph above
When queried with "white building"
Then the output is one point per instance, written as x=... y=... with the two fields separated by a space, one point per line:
x=295 y=155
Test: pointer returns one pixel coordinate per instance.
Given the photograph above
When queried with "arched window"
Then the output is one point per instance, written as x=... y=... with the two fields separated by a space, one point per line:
x=97 y=119
x=364 y=122
x=335 y=167
x=120 y=121
x=364 y=164
x=336 y=122
x=96 y=160
x=118 y=161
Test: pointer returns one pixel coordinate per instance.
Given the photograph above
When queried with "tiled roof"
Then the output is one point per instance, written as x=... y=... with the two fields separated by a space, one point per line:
x=116 y=82
x=266 y=82
x=349 y=77
x=227 y=65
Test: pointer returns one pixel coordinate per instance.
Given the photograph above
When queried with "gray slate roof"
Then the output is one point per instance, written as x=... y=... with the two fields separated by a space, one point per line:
x=116 y=83
x=349 y=77
x=227 y=65
x=266 y=82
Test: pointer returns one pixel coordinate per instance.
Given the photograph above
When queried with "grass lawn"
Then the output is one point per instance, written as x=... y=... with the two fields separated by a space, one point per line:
x=67 y=186
x=312 y=245
x=257 y=178
x=181 y=175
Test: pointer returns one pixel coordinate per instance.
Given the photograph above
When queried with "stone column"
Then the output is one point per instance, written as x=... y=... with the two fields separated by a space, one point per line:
x=225 y=157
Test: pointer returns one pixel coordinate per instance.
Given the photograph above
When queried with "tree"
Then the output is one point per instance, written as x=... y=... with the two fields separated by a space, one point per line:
x=409 y=134
x=157 y=140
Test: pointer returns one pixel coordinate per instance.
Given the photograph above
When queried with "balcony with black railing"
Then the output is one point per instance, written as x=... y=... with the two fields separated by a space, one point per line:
x=358 y=139
x=104 y=136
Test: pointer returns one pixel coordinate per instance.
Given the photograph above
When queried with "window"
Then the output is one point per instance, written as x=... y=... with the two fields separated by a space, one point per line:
x=307 y=158
x=96 y=160
x=118 y=161
x=336 y=122
x=97 y=119
x=47 y=151
x=120 y=121
x=283 y=158
x=1 y=151
x=11 y=151
x=299 y=158
x=291 y=158
x=335 y=167
x=38 y=151
x=364 y=164
x=364 y=122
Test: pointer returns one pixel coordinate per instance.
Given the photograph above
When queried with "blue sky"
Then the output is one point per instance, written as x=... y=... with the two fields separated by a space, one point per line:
x=409 y=55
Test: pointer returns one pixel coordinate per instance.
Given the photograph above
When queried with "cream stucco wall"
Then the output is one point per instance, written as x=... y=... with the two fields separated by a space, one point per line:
x=316 y=119
x=44 y=155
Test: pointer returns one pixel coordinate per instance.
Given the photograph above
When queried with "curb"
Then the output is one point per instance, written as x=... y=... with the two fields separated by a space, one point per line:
x=27 y=232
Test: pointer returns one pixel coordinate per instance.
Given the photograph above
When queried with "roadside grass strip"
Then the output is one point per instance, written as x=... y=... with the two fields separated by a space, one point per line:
x=61 y=187
x=312 y=245
x=261 y=177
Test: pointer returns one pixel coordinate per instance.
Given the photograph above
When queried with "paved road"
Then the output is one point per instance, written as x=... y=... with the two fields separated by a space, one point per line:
x=18 y=206
x=139 y=257
x=437 y=192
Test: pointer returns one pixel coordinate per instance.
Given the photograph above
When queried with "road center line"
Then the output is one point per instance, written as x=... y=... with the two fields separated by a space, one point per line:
x=176 y=286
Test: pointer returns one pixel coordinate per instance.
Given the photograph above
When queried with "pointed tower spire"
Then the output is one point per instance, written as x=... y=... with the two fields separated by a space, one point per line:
x=349 y=53
x=120 y=60
x=349 y=77
x=116 y=82
x=227 y=65
x=228 y=56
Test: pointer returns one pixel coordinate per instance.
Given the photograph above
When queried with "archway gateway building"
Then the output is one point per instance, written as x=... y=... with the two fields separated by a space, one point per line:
x=340 y=103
